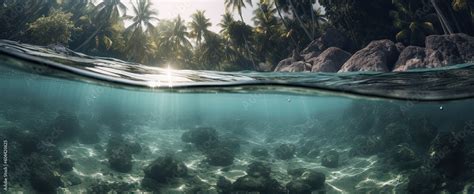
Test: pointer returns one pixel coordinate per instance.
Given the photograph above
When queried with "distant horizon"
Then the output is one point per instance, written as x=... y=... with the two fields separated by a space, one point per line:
x=214 y=9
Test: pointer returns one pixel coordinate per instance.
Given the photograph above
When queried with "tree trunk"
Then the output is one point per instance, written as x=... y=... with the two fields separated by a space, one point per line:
x=284 y=23
x=90 y=38
x=442 y=17
x=300 y=21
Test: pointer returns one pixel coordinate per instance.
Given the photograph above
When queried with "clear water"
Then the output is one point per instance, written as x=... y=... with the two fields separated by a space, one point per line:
x=365 y=118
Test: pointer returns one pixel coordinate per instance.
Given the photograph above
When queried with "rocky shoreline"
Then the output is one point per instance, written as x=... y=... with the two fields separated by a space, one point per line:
x=329 y=54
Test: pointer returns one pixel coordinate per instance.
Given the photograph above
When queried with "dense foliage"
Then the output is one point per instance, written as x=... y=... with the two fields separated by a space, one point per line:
x=279 y=27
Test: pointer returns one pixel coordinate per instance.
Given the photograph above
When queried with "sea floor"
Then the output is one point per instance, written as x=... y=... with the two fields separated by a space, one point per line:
x=369 y=173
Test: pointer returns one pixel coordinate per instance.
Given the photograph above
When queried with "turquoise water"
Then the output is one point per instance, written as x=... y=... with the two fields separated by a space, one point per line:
x=126 y=130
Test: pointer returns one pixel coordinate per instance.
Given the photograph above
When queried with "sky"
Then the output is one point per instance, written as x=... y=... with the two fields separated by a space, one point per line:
x=214 y=9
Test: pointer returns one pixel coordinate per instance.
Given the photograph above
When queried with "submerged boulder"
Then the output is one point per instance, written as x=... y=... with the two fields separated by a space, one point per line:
x=378 y=56
x=447 y=154
x=43 y=176
x=257 y=169
x=258 y=179
x=330 y=159
x=224 y=185
x=165 y=168
x=331 y=60
x=307 y=182
x=66 y=164
x=119 y=153
x=285 y=151
x=424 y=181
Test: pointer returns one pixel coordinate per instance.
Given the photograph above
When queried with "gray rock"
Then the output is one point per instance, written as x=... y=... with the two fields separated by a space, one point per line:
x=331 y=60
x=298 y=66
x=285 y=63
x=378 y=56
x=412 y=57
x=311 y=55
x=444 y=50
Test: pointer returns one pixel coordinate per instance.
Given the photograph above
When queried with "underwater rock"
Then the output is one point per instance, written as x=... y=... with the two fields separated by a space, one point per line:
x=203 y=138
x=260 y=184
x=424 y=181
x=404 y=157
x=298 y=187
x=65 y=128
x=43 y=177
x=165 y=168
x=220 y=156
x=115 y=187
x=285 y=151
x=224 y=185
x=119 y=154
x=257 y=169
x=260 y=152
x=66 y=164
x=447 y=154
x=306 y=182
x=296 y=172
x=314 y=179
x=149 y=184
x=258 y=180
x=330 y=159
x=231 y=143
x=394 y=134
x=331 y=60
x=378 y=56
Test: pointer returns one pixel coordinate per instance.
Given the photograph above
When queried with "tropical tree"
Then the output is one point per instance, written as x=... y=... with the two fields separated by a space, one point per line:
x=237 y=5
x=413 y=26
x=139 y=46
x=53 y=29
x=173 y=40
x=107 y=13
x=199 y=26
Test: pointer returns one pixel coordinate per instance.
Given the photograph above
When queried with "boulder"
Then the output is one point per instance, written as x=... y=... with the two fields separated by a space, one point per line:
x=119 y=154
x=285 y=151
x=257 y=169
x=285 y=63
x=165 y=168
x=424 y=181
x=378 y=56
x=259 y=184
x=298 y=187
x=43 y=176
x=331 y=60
x=224 y=185
x=443 y=50
x=299 y=66
x=308 y=181
x=412 y=57
x=330 y=159
x=447 y=154
x=66 y=164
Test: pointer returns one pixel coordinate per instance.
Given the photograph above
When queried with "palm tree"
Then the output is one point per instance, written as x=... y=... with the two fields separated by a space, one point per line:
x=413 y=26
x=199 y=26
x=237 y=5
x=226 y=21
x=139 y=46
x=173 y=36
x=108 y=12
x=144 y=16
